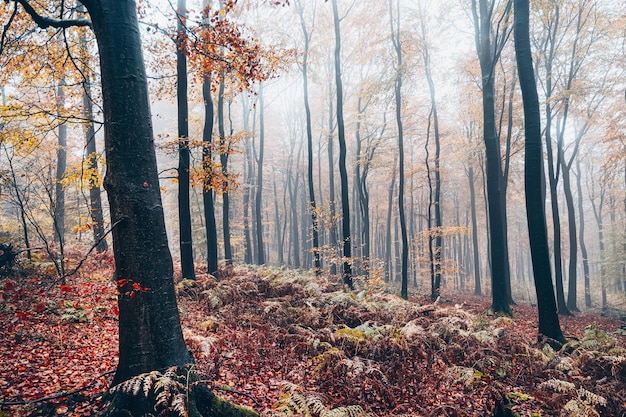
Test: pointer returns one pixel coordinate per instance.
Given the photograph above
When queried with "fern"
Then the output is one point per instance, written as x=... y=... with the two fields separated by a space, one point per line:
x=169 y=390
x=463 y=374
x=557 y=385
x=296 y=401
x=590 y=398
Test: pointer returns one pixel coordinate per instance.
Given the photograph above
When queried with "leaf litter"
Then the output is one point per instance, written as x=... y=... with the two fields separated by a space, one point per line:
x=277 y=340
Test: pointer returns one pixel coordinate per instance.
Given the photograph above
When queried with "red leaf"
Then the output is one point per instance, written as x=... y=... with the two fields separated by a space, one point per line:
x=136 y=286
x=66 y=288
x=116 y=311
x=9 y=285
x=122 y=282
x=41 y=306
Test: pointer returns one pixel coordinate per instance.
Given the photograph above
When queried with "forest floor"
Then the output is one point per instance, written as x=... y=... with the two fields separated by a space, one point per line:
x=286 y=343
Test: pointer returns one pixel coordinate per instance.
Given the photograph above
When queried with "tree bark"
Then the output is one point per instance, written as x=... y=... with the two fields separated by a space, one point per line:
x=309 y=137
x=488 y=58
x=343 y=173
x=150 y=335
x=59 y=194
x=549 y=325
x=224 y=153
x=397 y=44
x=95 y=198
x=184 y=210
x=581 y=236
x=207 y=188
x=260 y=257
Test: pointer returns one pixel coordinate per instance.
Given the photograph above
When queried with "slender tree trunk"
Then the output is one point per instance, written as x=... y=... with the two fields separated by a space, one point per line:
x=309 y=136
x=573 y=241
x=248 y=173
x=224 y=151
x=59 y=194
x=184 y=210
x=583 y=246
x=343 y=173
x=279 y=235
x=260 y=258
x=95 y=198
x=388 y=264
x=397 y=44
x=207 y=189
x=476 y=249
x=334 y=239
x=549 y=325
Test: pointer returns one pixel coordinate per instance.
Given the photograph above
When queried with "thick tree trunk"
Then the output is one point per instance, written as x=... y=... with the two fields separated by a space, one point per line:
x=184 y=210
x=500 y=298
x=549 y=325
x=150 y=335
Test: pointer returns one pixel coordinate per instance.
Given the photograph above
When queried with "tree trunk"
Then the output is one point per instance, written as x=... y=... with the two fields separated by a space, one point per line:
x=397 y=44
x=309 y=137
x=260 y=257
x=549 y=325
x=184 y=210
x=485 y=49
x=581 y=238
x=95 y=197
x=573 y=241
x=59 y=194
x=224 y=151
x=207 y=189
x=343 y=173
x=476 y=249
x=388 y=264
x=150 y=335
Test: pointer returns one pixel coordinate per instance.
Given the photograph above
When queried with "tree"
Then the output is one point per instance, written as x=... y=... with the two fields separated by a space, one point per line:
x=184 y=210
x=309 y=136
x=435 y=234
x=343 y=172
x=143 y=262
x=397 y=46
x=207 y=188
x=489 y=53
x=95 y=198
x=549 y=325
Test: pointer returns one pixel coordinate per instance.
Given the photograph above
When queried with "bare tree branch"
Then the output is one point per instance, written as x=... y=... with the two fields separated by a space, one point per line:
x=45 y=22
